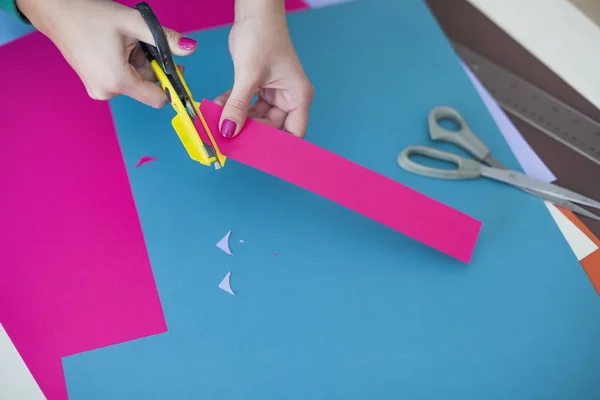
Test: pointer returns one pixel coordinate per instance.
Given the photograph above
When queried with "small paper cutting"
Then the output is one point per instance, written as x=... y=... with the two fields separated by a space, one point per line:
x=145 y=160
x=223 y=244
x=226 y=285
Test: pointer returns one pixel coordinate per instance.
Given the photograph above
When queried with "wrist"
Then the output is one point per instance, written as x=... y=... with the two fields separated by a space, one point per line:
x=245 y=9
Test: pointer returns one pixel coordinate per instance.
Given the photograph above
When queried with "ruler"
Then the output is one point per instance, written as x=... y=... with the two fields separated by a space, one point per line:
x=534 y=106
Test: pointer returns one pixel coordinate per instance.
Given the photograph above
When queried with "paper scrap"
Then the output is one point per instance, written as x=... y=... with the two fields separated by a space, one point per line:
x=16 y=381
x=362 y=190
x=324 y=3
x=526 y=156
x=223 y=244
x=581 y=245
x=145 y=160
x=226 y=285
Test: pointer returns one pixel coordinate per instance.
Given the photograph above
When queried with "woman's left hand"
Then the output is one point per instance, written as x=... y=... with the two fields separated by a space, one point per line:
x=266 y=65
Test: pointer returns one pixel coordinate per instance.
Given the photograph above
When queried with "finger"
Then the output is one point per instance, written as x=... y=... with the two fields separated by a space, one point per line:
x=297 y=121
x=146 y=73
x=222 y=99
x=259 y=109
x=136 y=27
x=137 y=58
x=145 y=92
x=276 y=117
x=236 y=108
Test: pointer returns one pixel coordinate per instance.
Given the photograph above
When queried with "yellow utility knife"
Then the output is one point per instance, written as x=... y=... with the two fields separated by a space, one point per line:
x=178 y=93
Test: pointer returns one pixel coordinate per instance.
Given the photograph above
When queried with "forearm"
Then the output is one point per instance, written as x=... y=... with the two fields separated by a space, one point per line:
x=258 y=8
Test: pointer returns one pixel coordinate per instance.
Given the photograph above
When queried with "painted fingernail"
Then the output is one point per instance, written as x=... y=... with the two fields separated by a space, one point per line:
x=228 y=128
x=187 y=43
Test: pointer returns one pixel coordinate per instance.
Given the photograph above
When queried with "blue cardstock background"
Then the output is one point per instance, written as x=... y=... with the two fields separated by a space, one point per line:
x=348 y=309
x=11 y=28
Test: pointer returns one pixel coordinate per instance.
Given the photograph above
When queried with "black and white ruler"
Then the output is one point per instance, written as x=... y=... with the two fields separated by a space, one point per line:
x=534 y=106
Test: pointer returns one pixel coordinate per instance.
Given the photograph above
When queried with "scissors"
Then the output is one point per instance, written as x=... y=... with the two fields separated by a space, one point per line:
x=485 y=164
x=178 y=93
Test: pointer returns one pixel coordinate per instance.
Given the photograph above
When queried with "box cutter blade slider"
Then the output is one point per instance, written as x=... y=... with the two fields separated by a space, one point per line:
x=178 y=93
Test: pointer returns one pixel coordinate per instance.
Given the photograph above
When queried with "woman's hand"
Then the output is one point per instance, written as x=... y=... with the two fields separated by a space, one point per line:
x=99 y=39
x=265 y=64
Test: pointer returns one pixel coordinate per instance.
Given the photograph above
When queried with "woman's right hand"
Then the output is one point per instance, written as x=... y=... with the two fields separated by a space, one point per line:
x=99 y=39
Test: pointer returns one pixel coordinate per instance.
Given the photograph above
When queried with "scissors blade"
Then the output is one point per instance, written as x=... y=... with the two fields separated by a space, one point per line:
x=492 y=162
x=526 y=182
x=565 y=204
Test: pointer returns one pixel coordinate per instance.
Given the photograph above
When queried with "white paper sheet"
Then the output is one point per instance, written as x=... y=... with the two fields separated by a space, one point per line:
x=16 y=382
x=581 y=245
x=557 y=33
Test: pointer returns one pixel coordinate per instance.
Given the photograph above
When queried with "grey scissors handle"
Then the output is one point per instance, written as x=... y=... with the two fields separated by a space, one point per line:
x=463 y=137
x=465 y=167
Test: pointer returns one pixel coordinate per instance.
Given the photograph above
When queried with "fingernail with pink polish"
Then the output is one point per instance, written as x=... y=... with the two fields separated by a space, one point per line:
x=228 y=128
x=186 y=43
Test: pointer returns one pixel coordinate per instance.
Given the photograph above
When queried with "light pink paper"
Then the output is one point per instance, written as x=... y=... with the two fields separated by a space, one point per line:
x=226 y=284
x=145 y=160
x=348 y=184
x=74 y=271
x=194 y=15
x=223 y=244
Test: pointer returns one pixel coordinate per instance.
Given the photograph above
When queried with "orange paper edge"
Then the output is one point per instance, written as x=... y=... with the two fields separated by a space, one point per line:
x=590 y=264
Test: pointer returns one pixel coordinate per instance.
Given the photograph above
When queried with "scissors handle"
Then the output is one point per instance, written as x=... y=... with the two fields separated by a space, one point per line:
x=161 y=51
x=463 y=137
x=465 y=167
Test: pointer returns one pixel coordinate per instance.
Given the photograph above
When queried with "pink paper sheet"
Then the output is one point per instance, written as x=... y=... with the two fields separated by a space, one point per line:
x=193 y=15
x=74 y=271
x=357 y=188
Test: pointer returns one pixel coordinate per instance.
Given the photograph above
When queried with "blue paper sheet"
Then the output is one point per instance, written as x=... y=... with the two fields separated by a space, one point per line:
x=348 y=309
x=11 y=28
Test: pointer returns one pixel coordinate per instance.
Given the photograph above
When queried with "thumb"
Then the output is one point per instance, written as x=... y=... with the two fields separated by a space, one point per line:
x=146 y=92
x=137 y=28
x=236 y=108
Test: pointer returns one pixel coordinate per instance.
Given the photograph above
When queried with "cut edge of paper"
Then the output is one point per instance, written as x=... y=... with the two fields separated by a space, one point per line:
x=223 y=244
x=145 y=160
x=226 y=284
x=581 y=245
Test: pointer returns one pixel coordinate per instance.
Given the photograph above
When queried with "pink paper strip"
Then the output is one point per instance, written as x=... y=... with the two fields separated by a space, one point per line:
x=348 y=184
x=193 y=15
x=74 y=271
